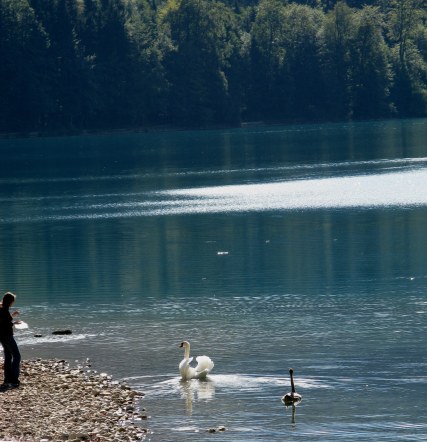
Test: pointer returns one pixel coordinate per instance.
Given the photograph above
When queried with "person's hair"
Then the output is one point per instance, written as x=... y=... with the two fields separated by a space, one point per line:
x=8 y=299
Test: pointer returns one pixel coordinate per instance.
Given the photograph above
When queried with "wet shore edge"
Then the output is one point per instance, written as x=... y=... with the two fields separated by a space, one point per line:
x=58 y=402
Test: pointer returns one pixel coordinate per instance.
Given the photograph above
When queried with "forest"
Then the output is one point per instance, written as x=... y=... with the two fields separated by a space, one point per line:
x=78 y=65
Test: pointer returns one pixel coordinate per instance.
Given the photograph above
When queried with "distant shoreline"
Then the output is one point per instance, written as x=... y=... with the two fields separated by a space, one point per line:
x=171 y=128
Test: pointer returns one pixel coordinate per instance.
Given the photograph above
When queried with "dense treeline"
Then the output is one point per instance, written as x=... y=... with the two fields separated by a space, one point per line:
x=97 y=64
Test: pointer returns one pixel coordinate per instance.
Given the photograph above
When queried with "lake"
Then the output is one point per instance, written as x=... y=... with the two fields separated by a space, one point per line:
x=265 y=247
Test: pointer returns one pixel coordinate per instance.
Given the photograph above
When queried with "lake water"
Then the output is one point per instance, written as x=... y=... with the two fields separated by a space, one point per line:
x=265 y=247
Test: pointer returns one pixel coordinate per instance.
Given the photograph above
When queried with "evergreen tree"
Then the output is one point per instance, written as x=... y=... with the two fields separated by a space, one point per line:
x=64 y=65
x=303 y=84
x=202 y=35
x=267 y=58
x=148 y=46
x=337 y=39
x=371 y=72
x=24 y=86
x=406 y=20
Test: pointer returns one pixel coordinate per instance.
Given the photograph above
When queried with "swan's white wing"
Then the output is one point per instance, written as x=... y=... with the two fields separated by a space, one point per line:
x=186 y=371
x=204 y=366
x=185 y=362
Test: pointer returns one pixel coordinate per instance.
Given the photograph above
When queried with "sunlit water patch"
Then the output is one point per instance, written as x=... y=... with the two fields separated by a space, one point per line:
x=390 y=184
x=403 y=189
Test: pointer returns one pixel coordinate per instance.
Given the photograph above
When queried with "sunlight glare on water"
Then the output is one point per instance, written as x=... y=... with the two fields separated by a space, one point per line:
x=403 y=189
x=388 y=187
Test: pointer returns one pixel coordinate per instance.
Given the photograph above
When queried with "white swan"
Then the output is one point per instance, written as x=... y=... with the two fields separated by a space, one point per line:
x=293 y=397
x=204 y=365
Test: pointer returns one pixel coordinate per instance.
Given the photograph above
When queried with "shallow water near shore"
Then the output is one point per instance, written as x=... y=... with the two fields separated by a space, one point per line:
x=266 y=248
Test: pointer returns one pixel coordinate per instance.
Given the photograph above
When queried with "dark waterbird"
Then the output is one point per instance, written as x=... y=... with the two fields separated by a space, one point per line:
x=292 y=397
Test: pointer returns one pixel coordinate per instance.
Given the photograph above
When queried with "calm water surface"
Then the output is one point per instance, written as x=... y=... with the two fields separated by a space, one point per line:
x=266 y=247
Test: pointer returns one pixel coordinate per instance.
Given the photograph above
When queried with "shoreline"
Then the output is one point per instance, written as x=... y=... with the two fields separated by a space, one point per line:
x=77 y=132
x=56 y=402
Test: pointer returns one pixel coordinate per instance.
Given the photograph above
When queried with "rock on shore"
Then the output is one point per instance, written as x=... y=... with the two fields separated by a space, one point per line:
x=58 y=403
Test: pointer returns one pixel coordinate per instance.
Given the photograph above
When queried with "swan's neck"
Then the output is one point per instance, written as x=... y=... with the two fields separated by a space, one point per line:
x=187 y=351
x=292 y=384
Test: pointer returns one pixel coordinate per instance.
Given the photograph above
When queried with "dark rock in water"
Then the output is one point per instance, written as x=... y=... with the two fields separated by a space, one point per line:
x=37 y=335
x=62 y=332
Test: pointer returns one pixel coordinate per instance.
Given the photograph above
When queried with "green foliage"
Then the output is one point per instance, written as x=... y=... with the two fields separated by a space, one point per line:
x=91 y=64
x=267 y=58
x=371 y=72
x=337 y=37
x=303 y=84
x=148 y=82
x=407 y=34
x=203 y=36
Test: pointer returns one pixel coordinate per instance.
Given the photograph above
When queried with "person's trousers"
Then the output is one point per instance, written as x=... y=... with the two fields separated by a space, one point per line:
x=12 y=360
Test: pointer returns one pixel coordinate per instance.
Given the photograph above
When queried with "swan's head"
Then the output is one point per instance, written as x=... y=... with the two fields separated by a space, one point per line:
x=291 y=371
x=186 y=346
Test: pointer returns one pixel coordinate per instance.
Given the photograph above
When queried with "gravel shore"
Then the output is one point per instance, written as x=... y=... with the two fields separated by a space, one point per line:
x=56 y=402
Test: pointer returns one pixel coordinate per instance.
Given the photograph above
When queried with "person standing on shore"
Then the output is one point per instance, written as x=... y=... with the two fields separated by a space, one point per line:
x=12 y=356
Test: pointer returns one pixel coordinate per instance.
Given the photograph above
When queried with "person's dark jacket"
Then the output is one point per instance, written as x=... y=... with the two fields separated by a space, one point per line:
x=6 y=324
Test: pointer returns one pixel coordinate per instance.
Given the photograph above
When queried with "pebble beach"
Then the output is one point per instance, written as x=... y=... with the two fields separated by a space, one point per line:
x=57 y=402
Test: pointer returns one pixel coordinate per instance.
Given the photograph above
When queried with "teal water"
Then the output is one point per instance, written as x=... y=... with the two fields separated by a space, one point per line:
x=266 y=247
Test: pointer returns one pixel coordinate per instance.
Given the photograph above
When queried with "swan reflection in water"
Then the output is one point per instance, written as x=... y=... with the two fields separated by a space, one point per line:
x=196 y=390
x=294 y=409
